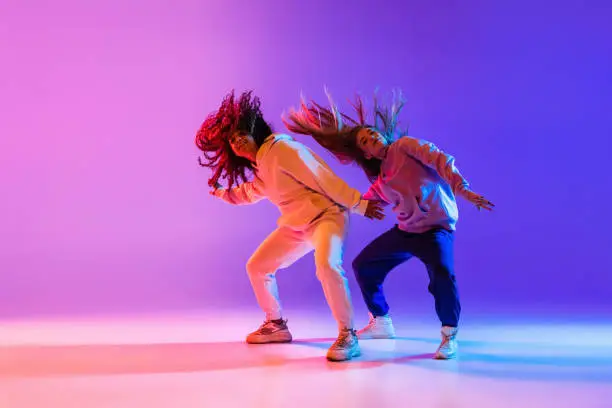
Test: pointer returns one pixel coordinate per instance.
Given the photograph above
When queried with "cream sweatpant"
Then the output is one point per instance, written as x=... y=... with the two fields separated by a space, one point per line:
x=286 y=245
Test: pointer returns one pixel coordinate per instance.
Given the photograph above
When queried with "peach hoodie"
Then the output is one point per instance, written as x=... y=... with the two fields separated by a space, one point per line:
x=297 y=181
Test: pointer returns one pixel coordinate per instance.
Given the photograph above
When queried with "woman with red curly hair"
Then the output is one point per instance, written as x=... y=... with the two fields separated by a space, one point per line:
x=240 y=146
x=420 y=182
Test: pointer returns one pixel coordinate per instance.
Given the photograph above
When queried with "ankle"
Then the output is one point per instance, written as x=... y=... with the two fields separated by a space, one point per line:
x=280 y=321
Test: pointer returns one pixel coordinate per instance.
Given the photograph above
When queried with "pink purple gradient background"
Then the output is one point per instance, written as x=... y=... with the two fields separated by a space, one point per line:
x=105 y=210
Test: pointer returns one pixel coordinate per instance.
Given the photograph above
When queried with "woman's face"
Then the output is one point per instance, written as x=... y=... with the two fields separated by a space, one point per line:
x=244 y=145
x=372 y=143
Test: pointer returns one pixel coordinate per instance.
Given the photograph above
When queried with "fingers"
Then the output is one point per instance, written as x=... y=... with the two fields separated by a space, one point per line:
x=378 y=217
x=486 y=204
x=374 y=210
x=479 y=201
x=375 y=214
x=375 y=205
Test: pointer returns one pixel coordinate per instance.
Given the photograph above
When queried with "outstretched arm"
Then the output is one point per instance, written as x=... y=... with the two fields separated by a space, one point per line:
x=444 y=164
x=245 y=193
x=432 y=157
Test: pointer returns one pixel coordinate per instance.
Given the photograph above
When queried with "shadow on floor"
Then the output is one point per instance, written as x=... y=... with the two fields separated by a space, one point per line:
x=54 y=361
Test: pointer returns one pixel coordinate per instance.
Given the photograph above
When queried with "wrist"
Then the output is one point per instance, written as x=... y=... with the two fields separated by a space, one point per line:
x=464 y=189
x=361 y=207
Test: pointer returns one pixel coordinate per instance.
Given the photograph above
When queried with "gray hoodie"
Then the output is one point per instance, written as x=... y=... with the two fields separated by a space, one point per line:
x=420 y=181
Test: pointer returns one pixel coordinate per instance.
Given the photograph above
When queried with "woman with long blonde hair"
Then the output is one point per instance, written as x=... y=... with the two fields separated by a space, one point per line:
x=420 y=182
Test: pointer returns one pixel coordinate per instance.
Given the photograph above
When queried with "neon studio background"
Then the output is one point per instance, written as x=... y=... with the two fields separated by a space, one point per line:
x=105 y=209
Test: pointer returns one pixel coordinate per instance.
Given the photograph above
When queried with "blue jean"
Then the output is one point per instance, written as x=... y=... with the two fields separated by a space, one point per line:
x=434 y=248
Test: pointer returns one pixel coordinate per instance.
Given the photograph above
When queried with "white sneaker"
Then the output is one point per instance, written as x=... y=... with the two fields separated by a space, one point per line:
x=345 y=347
x=448 y=347
x=379 y=327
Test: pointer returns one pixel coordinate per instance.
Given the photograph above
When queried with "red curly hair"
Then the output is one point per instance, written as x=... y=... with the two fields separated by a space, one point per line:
x=213 y=138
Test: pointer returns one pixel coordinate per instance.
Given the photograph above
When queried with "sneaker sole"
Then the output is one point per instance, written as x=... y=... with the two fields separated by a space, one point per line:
x=268 y=340
x=442 y=357
x=375 y=337
x=354 y=353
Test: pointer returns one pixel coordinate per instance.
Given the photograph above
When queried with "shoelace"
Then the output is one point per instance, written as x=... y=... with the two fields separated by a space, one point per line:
x=446 y=339
x=371 y=323
x=343 y=339
x=267 y=324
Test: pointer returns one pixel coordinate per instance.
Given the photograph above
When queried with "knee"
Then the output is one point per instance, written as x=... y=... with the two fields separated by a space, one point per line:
x=255 y=267
x=362 y=267
x=358 y=264
x=329 y=269
x=443 y=272
x=362 y=263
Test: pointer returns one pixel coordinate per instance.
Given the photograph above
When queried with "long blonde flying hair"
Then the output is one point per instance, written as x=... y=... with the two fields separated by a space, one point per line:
x=337 y=132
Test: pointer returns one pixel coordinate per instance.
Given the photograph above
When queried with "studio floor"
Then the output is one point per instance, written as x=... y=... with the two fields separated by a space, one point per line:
x=196 y=360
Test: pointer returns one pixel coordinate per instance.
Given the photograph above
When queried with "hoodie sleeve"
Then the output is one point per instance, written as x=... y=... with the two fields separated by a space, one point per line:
x=245 y=193
x=298 y=162
x=443 y=163
x=373 y=194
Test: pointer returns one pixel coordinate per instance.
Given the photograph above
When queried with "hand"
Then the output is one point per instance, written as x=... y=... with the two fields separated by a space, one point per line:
x=478 y=200
x=374 y=210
